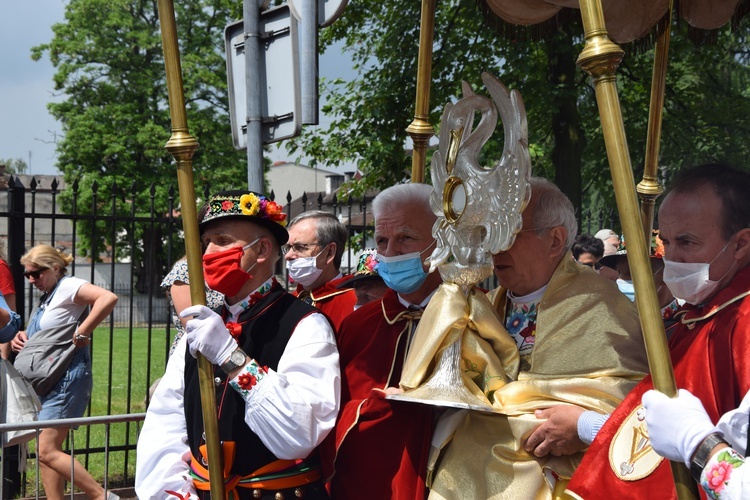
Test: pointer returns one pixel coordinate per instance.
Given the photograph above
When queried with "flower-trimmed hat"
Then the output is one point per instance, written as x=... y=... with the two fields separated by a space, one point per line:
x=367 y=268
x=247 y=205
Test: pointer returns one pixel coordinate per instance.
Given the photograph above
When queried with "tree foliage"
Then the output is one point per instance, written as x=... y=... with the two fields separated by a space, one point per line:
x=115 y=114
x=705 y=117
x=14 y=165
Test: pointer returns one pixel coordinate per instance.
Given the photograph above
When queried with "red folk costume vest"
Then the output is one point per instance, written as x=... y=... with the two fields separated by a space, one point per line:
x=379 y=448
x=709 y=350
x=335 y=303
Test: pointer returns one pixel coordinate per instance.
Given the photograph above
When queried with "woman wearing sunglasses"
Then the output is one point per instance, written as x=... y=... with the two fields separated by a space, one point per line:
x=65 y=300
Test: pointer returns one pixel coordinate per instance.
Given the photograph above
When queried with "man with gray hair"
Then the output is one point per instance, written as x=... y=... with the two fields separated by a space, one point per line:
x=581 y=352
x=313 y=256
x=379 y=447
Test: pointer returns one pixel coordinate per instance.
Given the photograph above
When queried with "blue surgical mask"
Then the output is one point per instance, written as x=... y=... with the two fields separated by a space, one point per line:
x=403 y=273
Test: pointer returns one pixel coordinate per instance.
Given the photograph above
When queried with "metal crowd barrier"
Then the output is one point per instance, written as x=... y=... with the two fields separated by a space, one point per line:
x=105 y=420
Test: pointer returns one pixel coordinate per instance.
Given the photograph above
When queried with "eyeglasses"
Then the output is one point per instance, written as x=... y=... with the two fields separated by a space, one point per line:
x=34 y=274
x=298 y=247
x=596 y=266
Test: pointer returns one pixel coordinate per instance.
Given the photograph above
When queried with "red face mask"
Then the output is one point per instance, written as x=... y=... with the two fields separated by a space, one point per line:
x=222 y=270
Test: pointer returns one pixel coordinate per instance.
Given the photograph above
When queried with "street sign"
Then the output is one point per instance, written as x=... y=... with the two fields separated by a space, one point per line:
x=279 y=70
x=328 y=10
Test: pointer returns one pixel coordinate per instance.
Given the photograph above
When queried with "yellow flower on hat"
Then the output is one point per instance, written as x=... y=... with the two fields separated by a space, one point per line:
x=249 y=203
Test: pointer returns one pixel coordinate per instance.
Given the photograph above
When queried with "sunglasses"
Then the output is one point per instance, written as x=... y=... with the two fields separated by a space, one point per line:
x=34 y=274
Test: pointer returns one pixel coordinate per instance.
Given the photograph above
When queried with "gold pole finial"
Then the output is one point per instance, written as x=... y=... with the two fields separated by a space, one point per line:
x=649 y=188
x=420 y=129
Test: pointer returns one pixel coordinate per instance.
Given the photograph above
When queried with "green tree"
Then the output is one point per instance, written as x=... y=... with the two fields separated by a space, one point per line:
x=14 y=165
x=115 y=115
x=705 y=118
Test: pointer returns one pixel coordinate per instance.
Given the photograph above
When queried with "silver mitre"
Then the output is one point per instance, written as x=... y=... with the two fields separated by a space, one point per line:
x=460 y=354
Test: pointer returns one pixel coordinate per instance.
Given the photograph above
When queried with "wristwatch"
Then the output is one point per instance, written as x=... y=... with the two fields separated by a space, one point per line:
x=703 y=454
x=236 y=360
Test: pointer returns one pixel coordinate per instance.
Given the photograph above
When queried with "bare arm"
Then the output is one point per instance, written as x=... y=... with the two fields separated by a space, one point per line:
x=102 y=303
x=180 y=293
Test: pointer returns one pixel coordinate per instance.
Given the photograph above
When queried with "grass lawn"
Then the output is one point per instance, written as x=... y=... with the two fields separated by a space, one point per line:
x=121 y=364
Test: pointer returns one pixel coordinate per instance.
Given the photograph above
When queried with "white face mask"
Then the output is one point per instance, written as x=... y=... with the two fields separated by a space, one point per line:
x=690 y=281
x=304 y=270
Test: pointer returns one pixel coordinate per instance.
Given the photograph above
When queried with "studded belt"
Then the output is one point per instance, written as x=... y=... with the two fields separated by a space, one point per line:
x=278 y=475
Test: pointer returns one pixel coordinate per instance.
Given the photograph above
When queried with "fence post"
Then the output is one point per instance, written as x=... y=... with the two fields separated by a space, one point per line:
x=17 y=239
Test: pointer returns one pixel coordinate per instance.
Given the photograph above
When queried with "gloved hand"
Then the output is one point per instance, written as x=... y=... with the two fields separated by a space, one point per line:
x=676 y=426
x=207 y=334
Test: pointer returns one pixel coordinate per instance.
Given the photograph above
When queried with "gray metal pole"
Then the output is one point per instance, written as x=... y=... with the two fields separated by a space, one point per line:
x=309 y=60
x=253 y=86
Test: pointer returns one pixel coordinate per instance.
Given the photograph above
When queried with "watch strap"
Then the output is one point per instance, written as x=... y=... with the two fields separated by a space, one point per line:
x=703 y=454
x=234 y=361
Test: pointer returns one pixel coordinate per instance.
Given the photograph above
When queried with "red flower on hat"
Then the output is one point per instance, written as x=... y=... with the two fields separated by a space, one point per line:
x=657 y=246
x=227 y=205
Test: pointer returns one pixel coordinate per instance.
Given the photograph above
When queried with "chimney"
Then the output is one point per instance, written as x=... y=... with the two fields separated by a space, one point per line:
x=333 y=182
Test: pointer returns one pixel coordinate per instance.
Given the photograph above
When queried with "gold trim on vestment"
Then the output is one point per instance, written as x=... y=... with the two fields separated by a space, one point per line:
x=688 y=321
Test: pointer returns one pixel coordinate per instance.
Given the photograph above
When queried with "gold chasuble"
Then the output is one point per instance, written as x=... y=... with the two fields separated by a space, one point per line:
x=588 y=352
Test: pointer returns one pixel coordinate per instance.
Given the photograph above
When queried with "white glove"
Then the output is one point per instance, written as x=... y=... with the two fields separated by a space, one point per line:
x=676 y=426
x=207 y=334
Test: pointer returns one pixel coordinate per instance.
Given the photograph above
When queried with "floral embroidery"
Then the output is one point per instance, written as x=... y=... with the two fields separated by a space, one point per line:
x=515 y=322
x=258 y=294
x=249 y=377
x=247 y=381
x=719 y=470
x=521 y=325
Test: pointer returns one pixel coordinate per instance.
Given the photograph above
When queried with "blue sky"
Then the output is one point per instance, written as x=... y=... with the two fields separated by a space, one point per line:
x=27 y=130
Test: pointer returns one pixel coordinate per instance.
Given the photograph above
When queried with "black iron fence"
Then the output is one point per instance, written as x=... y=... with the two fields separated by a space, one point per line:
x=128 y=251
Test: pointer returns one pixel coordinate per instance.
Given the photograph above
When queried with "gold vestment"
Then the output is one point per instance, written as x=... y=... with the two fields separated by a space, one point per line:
x=588 y=352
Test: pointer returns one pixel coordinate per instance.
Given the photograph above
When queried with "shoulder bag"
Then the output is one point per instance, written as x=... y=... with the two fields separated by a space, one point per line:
x=20 y=404
x=46 y=356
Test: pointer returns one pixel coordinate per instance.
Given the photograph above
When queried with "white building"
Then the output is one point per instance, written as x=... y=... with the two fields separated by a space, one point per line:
x=290 y=178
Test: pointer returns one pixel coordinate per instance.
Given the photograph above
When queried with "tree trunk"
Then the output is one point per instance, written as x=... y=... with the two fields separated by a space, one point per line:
x=570 y=141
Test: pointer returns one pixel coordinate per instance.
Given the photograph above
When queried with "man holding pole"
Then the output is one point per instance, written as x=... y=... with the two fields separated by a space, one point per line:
x=276 y=371
x=704 y=223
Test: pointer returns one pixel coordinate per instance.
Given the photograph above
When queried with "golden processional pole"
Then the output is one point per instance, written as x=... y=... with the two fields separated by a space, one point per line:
x=600 y=58
x=649 y=189
x=181 y=146
x=420 y=129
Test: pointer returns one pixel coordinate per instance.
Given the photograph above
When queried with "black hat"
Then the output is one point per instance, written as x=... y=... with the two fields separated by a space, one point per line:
x=611 y=260
x=247 y=205
x=367 y=269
